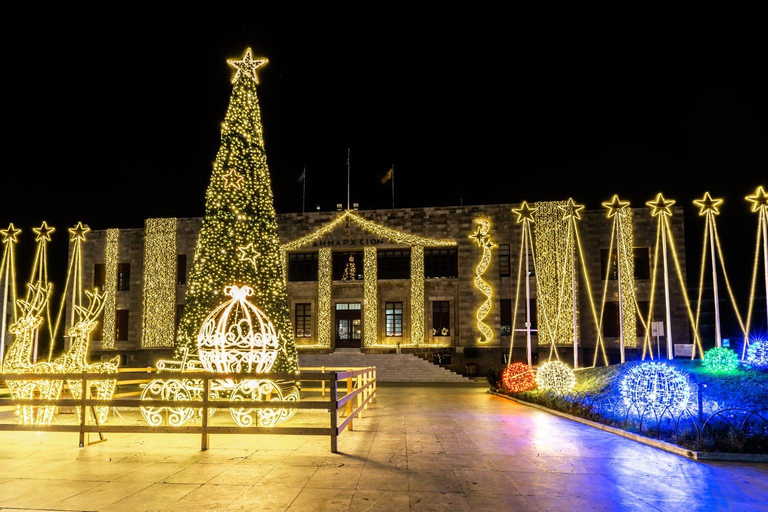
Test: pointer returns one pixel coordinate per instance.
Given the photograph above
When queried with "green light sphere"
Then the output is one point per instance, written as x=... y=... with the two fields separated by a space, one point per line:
x=720 y=360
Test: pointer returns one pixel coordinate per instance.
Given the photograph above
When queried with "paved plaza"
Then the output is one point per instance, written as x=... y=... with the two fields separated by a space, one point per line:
x=418 y=448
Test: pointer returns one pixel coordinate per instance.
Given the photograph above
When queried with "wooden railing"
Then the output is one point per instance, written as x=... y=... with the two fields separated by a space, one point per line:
x=357 y=387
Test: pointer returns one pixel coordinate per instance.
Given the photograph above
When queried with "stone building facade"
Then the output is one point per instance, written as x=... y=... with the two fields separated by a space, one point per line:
x=383 y=280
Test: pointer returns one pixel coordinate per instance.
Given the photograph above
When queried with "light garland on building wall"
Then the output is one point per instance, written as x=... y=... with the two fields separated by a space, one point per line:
x=626 y=242
x=417 y=295
x=554 y=269
x=655 y=387
x=324 y=284
x=483 y=240
x=109 y=325
x=555 y=376
x=370 y=297
x=158 y=326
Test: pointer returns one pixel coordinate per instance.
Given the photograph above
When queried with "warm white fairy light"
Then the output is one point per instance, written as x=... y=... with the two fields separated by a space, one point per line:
x=417 y=295
x=109 y=324
x=483 y=240
x=324 y=284
x=556 y=377
x=370 y=297
x=159 y=318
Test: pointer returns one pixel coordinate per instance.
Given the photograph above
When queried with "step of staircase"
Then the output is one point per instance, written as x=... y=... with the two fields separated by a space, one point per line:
x=389 y=367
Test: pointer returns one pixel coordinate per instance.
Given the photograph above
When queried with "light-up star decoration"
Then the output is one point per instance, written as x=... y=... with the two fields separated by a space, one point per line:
x=247 y=66
x=708 y=205
x=43 y=232
x=759 y=199
x=11 y=234
x=248 y=253
x=571 y=209
x=661 y=206
x=615 y=205
x=524 y=213
x=233 y=179
x=78 y=232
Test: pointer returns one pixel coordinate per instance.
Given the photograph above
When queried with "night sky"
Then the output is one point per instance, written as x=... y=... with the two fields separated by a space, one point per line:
x=116 y=121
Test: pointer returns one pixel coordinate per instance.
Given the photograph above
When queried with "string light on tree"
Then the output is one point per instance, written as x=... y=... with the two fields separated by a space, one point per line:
x=350 y=271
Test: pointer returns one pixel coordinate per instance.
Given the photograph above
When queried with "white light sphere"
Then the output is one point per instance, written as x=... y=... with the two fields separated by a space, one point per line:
x=555 y=376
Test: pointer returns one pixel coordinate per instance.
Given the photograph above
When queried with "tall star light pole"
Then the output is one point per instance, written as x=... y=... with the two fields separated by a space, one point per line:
x=661 y=208
x=615 y=207
x=525 y=217
x=708 y=208
x=572 y=212
x=8 y=279
x=759 y=202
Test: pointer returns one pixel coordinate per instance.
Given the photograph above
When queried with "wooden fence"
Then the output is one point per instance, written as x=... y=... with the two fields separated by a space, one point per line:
x=345 y=395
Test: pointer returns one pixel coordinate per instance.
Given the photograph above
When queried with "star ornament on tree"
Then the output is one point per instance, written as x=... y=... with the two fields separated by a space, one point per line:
x=78 y=232
x=759 y=199
x=233 y=180
x=248 y=253
x=43 y=232
x=11 y=234
x=571 y=209
x=615 y=205
x=247 y=66
x=661 y=206
x=708 y=205
x=524 y=213
x=480 y=237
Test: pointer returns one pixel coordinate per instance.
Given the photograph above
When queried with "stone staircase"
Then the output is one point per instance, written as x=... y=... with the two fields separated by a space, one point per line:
x=389 y=367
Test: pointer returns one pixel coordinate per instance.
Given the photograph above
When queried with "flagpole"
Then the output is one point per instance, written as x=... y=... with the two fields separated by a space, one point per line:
x=393 y=186
x=348 y=151
x=304 y=190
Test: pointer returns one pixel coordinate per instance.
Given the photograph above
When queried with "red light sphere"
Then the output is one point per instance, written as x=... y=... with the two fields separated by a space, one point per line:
x=518 y=377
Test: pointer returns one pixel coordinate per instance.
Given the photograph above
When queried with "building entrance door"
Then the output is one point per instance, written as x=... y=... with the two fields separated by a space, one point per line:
x=348 y=325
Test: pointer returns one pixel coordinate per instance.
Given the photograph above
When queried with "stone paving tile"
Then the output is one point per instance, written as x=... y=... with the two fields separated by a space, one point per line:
x=154 y=498
x=322 y=500
x=380 y=501
x=101 y=496
x=386 y=479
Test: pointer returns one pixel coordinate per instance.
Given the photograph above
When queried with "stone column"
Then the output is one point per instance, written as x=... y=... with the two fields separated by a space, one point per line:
x=370 y=297
x=417 y=295
x=324 y=283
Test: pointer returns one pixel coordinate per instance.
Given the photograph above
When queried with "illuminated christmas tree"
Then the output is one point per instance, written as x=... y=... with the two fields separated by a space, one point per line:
x=238 y=243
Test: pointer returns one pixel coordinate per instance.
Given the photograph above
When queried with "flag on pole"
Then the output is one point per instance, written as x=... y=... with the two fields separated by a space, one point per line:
x=303 y=175
x=387 y=176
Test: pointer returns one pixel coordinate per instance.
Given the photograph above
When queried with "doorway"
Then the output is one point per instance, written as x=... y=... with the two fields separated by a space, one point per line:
x=348 y=325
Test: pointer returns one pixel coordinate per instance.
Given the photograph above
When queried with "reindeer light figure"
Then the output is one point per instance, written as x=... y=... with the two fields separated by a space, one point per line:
x=18 y=359
x=75 y=359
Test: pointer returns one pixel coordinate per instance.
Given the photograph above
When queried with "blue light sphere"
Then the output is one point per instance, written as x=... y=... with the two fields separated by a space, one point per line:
x=655 y=387
x=757 y=353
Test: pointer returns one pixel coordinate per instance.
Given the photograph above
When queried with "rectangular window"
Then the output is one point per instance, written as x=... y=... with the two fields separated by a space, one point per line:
x=179 y=314
x=611 y=320
x=181 y=269
x=121 y=321
x=302 y=266
x=441 y=318
x=505 y=316
x=348 y=306
x=123 y=277
x=441 y=263
x=641 y=255
x=504 y=261
x=303 y=323
x=394 y=264
x=347 y=266
x=99 y=275
x=394 y=318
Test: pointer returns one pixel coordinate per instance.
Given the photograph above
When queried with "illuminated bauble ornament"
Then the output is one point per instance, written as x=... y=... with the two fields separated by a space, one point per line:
x=518 y=377
x=720 y=360
x=237 y=336
x=555 y=376
x=655 y=387
x=757 y=354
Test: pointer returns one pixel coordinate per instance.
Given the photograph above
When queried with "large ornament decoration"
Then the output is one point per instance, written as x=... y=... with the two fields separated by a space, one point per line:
x=720 y=360
x=655 y=387
x=757 y=354
x=555 y=376
x=518 y=377
x=236 y=337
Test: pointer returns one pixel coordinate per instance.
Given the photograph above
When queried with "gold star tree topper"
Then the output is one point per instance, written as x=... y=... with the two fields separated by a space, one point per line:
x=759 y=199
x=78 y=232
x=11 y=234
x=524 y=213
x=615 y=205
x=43 y=232
x=247 y=66
x=661 y=206
x=571 y=209
x=708 y=205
